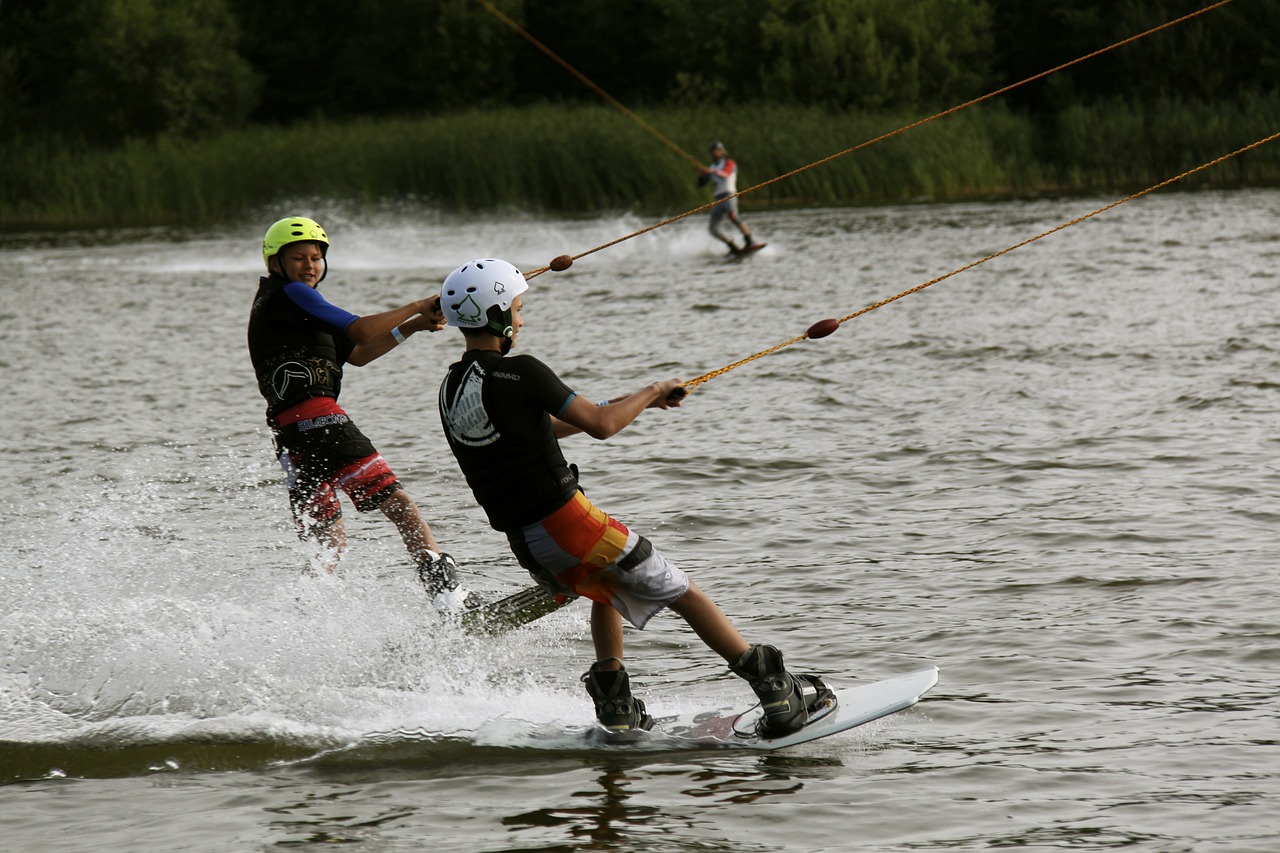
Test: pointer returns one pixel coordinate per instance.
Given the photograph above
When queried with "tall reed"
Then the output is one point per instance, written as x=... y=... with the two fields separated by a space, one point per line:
x=593 y=159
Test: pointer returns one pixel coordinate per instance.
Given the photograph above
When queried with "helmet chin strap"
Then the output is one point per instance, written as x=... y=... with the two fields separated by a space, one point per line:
x=499 y=326
x=505 y=334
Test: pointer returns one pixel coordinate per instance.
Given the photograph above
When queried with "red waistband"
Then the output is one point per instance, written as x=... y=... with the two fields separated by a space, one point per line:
x=313 y=408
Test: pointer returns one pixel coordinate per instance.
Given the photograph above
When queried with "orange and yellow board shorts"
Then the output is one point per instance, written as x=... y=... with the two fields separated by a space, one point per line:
x=580 y=550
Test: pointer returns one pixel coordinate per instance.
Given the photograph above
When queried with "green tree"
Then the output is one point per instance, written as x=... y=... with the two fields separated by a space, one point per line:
x=346 y=58
x=468 y=56
x=615 y=51
x=868 y=54
x=875 y=55
x=1223 y=53
x=712 y=49
x=140 y=68
x=19 y=69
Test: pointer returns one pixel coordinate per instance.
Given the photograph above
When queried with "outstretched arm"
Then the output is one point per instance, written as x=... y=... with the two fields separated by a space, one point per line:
x=602 y=421
x=372 y=333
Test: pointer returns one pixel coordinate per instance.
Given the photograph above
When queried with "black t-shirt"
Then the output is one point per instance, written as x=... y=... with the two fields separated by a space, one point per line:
x=496 y=412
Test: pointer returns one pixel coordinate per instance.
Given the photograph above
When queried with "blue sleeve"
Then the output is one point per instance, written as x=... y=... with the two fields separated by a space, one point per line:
x=317 y=307
x=569 y=400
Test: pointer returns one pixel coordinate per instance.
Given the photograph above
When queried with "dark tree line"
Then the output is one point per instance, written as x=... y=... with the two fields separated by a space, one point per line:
x=105 y=71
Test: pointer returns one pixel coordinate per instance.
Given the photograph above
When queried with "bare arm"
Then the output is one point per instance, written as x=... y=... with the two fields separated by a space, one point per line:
x=609 y=419
x=372 y=333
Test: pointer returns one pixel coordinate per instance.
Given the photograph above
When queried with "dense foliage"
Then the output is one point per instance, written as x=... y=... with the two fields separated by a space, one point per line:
x=105 y=71
x=149 y=112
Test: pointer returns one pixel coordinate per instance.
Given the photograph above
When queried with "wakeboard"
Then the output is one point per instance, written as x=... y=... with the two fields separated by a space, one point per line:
x=517 y=609
x=743 y=254
x=855 y=706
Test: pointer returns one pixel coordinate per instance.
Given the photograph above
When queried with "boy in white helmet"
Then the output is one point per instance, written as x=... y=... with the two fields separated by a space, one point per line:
x=503 y=416
x=298 y=342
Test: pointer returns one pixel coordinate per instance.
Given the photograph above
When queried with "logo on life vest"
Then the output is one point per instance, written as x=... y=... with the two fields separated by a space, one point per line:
x=286 y=378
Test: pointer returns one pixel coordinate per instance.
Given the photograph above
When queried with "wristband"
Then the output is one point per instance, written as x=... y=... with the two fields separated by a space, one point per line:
x=398 y=335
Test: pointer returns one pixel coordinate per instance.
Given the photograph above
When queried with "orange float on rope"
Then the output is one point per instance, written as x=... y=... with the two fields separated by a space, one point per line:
x=822 y=328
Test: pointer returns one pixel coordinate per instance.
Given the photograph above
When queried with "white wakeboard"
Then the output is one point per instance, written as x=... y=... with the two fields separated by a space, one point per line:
x=856 y=706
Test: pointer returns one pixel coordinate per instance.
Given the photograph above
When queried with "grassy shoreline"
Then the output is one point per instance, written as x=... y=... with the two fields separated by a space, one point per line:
x=588 y=160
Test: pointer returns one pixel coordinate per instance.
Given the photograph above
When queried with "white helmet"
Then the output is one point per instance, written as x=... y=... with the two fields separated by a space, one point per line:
x=479 y=294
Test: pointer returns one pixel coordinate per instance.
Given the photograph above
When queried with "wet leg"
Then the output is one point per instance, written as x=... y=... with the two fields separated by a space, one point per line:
x=414 y=530
x=710 y=623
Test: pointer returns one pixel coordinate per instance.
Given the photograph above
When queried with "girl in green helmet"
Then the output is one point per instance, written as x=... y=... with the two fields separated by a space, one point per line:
x=299 y=342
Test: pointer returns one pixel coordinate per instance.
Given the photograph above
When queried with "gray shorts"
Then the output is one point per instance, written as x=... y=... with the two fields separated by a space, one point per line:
x=727 y=208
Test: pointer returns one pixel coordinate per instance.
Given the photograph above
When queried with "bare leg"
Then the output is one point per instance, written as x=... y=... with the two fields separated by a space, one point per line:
x=724 y=238
x=718 y=215
x=709 y=622
x=333 y=542
x=606 y=633
x=414 y=530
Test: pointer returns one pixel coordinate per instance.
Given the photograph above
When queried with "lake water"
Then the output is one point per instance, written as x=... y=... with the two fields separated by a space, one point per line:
x=1053 y=476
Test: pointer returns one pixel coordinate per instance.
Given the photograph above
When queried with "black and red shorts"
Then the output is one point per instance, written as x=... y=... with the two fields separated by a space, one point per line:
x=322 y=450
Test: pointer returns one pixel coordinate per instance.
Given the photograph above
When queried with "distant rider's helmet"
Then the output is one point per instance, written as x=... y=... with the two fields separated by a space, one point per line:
x=479 y=295
x=718 y=146
x=294 y=229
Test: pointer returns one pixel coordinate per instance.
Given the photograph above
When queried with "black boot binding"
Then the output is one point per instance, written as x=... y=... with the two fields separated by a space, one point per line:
x=788 y=701
x=439 y=576
x=610 y=689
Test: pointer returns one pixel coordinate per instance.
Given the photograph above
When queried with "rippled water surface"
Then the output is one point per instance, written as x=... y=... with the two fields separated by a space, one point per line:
x=1053 y=476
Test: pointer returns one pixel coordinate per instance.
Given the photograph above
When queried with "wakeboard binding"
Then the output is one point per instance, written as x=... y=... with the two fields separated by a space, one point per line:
x=789 y=701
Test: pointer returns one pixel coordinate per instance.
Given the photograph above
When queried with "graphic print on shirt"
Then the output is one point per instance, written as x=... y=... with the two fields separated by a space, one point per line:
x=464 y=415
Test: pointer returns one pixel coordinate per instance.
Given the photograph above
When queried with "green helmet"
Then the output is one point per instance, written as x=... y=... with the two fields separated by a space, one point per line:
x=293 y=229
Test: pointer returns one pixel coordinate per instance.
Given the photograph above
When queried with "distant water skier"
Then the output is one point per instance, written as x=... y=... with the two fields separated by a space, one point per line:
x=722 y=174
